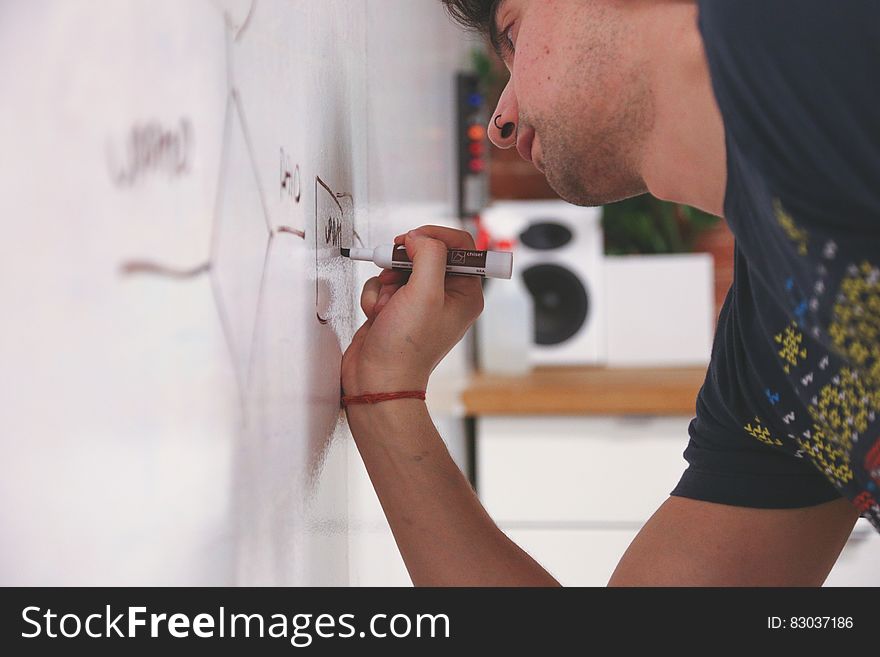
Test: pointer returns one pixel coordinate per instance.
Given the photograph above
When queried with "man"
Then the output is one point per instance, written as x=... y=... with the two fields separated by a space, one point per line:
x=760 y=111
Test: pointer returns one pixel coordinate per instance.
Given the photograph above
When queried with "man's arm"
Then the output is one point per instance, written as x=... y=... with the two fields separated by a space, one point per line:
x=693 y=543
x=444 y=534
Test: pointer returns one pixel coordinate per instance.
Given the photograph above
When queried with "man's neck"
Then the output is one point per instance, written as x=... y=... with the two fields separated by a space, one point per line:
x=685 y=155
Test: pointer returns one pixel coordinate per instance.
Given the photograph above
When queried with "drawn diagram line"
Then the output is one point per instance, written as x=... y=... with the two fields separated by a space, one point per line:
x=333 y=195
x=267 y=255
x=320 y=182
x=292 y=231
x=227 y=43
x=133 y=267
x=243 y=347
x=247 y=20
x=234 y=107
x=236 y=30
x=221 y=178
x=250 y=149
x=226 y=326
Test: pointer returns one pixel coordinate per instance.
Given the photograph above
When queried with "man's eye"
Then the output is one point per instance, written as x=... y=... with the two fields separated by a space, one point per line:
x=505 y=44
x=508 y=38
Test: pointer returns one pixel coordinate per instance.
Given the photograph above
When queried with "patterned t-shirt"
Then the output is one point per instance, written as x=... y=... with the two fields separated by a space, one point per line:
x=789 y=414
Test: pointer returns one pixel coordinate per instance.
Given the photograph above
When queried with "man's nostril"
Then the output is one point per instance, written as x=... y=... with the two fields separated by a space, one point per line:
x=507 y=130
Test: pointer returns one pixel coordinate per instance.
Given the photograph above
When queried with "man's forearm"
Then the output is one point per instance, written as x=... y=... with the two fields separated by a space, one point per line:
x=443 y=533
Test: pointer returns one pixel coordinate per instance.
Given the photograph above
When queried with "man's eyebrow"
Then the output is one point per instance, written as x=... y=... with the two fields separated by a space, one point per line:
x=494 y=31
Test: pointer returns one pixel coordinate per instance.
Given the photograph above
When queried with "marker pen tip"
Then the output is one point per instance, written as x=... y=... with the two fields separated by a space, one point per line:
x=345 y=252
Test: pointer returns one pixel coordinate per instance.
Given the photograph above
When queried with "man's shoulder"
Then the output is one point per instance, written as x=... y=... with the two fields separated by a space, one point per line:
x=794 y=81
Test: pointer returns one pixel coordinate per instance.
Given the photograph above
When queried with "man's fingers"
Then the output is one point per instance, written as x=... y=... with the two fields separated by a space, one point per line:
x=393 y=276
x=466 y=293
x=385 y=295
x=451 y=237
x=369 y=296
x=429 y=267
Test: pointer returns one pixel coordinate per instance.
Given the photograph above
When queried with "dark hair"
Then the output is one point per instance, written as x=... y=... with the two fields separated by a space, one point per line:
x=476 y=15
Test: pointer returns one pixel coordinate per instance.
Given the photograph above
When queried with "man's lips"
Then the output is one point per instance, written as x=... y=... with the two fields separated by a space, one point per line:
x=524 y=143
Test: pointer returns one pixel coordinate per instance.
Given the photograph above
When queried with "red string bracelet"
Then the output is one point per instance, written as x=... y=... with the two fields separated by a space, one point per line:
x=376 y=397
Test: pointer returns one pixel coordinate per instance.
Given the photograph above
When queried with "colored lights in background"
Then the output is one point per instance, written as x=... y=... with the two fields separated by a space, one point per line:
x=476 y=135
x=473 y=149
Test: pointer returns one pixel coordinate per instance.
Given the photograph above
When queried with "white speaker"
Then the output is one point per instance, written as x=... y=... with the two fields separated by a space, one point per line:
x=559 y=254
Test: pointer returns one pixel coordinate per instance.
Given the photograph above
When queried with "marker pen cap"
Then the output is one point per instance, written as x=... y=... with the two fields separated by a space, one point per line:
x=361 y=254
x=499 y=264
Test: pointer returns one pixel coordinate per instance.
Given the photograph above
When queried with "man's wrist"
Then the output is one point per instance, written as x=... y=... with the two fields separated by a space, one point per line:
x=387 y=422
x=379 y=397
x=381 y=385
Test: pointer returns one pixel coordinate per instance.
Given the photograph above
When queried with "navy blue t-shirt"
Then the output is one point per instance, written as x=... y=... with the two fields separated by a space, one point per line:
x=789 y=414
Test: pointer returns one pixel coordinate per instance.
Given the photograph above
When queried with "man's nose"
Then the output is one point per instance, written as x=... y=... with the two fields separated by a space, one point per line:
x=502 y=125
x=502 y=129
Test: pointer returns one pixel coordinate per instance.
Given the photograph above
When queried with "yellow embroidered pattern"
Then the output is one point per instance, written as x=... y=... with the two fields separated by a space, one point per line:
x=844 y=405
x=831 y=458
x=795 y=233
x=792 y=351
x=762 y=433
x=843 y=409
x=855 y=321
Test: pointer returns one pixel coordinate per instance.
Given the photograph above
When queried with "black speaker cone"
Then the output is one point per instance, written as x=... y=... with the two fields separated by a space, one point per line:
x=561 y=302
x=545 y=235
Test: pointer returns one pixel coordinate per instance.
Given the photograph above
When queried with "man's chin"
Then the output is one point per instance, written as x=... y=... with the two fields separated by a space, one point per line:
x=574 y=191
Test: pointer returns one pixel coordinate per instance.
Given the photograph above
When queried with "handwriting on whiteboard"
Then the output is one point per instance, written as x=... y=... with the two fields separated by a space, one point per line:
x=291 y=185
x=151 y=148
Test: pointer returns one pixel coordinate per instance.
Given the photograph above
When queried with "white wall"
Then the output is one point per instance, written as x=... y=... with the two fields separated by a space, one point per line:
x=170 y=397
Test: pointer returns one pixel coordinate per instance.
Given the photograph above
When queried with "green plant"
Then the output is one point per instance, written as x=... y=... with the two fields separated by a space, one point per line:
x=486 y=67
x=644 y=224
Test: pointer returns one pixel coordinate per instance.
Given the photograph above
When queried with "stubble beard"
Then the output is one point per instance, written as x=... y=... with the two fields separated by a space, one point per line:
x=596 y=164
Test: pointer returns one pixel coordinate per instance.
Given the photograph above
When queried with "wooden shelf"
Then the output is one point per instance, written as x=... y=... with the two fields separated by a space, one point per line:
x=586 y=391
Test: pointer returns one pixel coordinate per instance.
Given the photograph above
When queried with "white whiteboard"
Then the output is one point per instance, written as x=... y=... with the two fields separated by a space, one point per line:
x=175 y=180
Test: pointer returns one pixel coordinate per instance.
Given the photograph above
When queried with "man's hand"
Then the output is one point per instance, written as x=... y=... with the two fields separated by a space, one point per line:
x=413 y=319
x=445 y=536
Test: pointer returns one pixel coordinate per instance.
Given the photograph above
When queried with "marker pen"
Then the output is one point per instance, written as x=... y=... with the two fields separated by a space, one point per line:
x=491 y=264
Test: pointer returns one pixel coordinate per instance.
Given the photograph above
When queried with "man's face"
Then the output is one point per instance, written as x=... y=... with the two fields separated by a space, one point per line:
x=577 y=95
